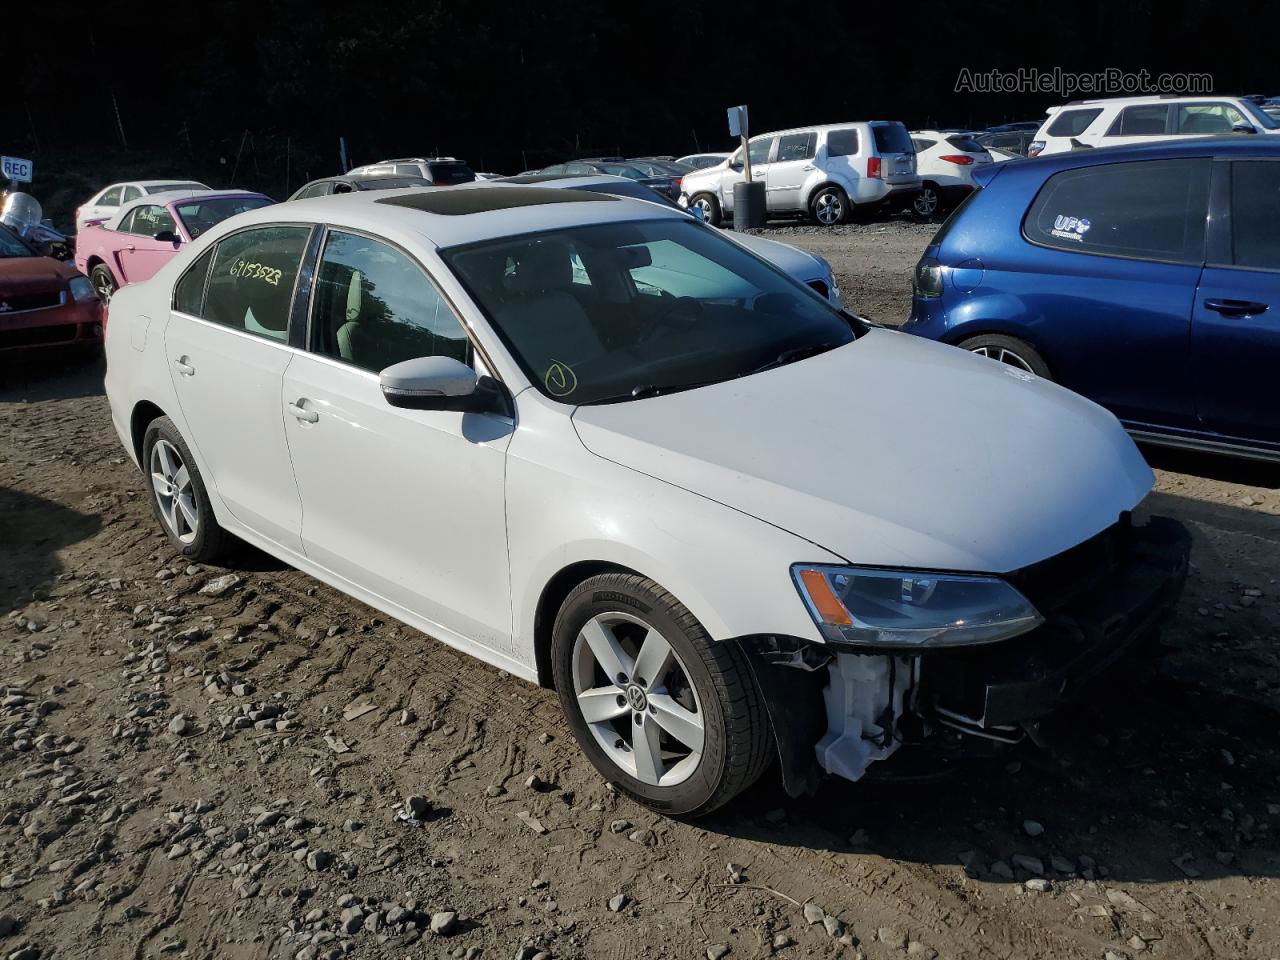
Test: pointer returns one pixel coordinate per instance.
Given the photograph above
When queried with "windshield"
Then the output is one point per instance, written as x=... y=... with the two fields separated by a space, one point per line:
x=1260 y=116
x=621 y=311
x=11 y=246
x=449 y=173
x=200 y=214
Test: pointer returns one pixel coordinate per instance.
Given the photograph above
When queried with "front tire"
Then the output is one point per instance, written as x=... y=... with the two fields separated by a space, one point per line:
x=104 y=282
x=670 y=717
x=829 y=207
x=178 y=494
x=1009 y=350
x=709 y=205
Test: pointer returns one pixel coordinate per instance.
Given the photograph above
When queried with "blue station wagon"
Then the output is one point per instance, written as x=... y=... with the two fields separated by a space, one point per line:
x=1145 y=277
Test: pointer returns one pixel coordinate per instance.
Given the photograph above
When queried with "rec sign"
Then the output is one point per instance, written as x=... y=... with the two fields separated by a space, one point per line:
x=15 y=168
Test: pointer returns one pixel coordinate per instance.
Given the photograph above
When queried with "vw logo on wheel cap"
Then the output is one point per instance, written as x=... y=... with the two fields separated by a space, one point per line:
x=636 y=697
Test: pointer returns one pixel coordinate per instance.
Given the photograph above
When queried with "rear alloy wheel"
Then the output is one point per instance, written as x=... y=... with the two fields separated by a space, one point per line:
x=104 y=283
x=671 y=717
x=829 y=206
x=178 y=494
x=709 y=206
x=927 y=202
x=1008 y=350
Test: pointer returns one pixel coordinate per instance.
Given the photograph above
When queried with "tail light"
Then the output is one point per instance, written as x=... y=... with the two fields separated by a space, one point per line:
x=927 y=281
x=1036 y=148
x=962 y=159
x=873 y=168
x=677 y=182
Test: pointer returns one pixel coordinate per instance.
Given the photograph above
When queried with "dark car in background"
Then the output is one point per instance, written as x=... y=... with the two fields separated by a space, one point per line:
x=1145 y=277
x=1010 y=141
x=437 y=171
x=667 y=184
x=350 y=184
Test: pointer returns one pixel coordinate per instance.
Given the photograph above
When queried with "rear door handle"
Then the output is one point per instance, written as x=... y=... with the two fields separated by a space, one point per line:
x=299 y=412
x=1236 y=308
x=184 y=368
x=808 y=166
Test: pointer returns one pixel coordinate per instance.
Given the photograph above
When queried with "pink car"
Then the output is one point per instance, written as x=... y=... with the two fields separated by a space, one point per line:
x=143 y=235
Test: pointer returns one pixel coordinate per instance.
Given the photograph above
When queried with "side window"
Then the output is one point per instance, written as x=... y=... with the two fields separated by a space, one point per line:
x=149 y=220
x=1208 y=118
x=1153 y=210
x=1072 y=123
x=126 y=225
x=111 y=198
x=1142 y=120
x=252 y=277
x=408 y=170
x=555 y=168
x=1255 y=209
x=580 y=169
x=796 y=146
x=314 y=190
x=188 y=294
x=373 y=307
x=842 y=143
x=760 y=149
x=130 y=193
x=921 y=144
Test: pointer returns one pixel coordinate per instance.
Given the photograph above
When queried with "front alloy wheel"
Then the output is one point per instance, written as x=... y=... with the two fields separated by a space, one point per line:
x=665 y=713
x=636 y=697
x=104 y=282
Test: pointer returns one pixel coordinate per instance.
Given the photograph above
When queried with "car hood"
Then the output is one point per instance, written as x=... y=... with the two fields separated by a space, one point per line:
x=790 y=260
x=891 y=451
x=19 y=275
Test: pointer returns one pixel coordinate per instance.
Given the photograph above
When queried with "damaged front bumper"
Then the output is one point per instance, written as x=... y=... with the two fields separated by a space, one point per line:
x=839 y=708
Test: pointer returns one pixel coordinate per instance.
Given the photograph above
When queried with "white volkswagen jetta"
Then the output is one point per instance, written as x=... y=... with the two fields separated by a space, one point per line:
x=728 y=526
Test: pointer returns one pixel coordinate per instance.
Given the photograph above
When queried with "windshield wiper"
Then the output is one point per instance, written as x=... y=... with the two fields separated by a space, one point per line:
x=798 y=353
x=644 y=390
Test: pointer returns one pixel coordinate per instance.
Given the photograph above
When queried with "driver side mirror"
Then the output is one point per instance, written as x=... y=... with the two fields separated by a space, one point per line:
x=1243 y=128
x=440 y=383
x=735 y=164
x=167 y=236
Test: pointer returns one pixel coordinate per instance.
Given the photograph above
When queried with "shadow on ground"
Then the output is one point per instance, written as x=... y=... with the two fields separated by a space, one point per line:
x=32 y=530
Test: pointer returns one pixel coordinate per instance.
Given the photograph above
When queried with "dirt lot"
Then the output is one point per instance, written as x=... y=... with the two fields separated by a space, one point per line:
x=213 y=762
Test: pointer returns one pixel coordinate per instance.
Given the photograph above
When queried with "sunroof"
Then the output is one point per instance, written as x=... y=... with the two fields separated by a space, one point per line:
x=453 y=203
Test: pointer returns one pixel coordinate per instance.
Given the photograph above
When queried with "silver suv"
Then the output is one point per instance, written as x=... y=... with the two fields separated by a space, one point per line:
x=439 y=171
x=824 y=171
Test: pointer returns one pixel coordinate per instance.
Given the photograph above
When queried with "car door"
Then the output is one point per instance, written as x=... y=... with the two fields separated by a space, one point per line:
x=1235 y=329
x=761 y=150
x=407 y=504
x=786 y=175
x=227 y=346
x=1107 y=297
x=141 y=255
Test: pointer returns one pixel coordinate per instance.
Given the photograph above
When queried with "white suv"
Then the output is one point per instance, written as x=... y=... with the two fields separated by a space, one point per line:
x=823 y=171
x=1122 y=120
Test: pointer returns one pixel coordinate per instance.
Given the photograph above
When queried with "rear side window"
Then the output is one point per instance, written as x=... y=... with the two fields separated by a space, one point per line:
x=1208 y=118
x=446 y=173
x=1142 y=120
x=966 y=144
x=252 y=277
x=405 y=170
x=1255 y=211
x=1072 y=123
x=921 y=144
x=797 y=146
x=111 y=198
x=1153 y=210
x=131 y=193
x=188 y=295
x=842 y=143
x=892 y=138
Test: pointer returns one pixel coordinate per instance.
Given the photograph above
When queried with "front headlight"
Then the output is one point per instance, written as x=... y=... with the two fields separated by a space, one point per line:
x=81 y=289
x=910 y=610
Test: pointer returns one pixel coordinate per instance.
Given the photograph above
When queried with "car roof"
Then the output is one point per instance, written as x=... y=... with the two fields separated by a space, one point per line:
x=1225 y=146
x=1157 y=98
x=466 y=213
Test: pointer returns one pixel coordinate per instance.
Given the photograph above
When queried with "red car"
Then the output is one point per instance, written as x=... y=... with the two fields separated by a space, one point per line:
x=146 y=234
x=43 y=302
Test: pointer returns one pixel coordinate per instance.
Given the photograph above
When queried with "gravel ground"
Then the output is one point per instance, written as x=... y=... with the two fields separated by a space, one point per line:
x=242 y=763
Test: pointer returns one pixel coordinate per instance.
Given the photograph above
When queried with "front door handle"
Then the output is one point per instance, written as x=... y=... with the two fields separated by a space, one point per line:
x=299 y=412
x=184 y=368
x=1236 y=308
x=808 y=166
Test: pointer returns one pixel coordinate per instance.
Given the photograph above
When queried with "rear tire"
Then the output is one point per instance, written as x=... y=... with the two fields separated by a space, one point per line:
x=703 y=698
x=710 y=207
x=927 y=203
x=829 y=207
x=178 y=494
x=1009 y=350
x=104 y=282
